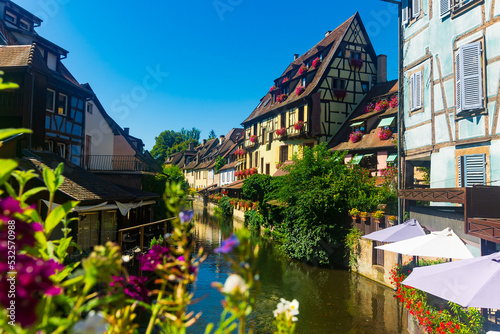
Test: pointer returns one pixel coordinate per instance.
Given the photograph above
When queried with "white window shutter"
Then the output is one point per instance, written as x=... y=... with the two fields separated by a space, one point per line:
x=404 y=12
x=472 y=79
x=475 y=169
x=415 y=10
x=412 y=92
x=460 y=173
x=458 y=81
x=418 y=90
x=444 y=8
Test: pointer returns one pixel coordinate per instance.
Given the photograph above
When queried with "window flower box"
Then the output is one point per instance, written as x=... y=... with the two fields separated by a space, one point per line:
x=281 y=132
x=382 y=105
x=299 y=90
x=369 y=108
x=299 y=126
x=384 y=133
x=393 y=103
x=254 y=139
x=303 y=69
x=355 y=136
x=272 y=88
x=356 y=63
x=285 y=79
x=339 y=93
x=253 y=171
x=316 y=62
x=282 y=97
x=247 y=172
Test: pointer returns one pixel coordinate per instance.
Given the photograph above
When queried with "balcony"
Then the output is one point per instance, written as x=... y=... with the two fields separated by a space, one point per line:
x=480 y=205
x=127 y=163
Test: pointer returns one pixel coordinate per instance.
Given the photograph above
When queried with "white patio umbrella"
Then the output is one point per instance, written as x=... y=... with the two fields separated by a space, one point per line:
x=444 y=244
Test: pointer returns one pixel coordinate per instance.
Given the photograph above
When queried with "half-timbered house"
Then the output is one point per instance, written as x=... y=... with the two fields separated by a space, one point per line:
x=312 y=98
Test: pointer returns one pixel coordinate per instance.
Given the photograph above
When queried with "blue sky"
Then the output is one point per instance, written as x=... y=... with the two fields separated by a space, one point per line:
x=164 y=65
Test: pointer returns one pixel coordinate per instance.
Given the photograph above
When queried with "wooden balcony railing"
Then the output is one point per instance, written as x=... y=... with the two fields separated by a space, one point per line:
x=116 y=163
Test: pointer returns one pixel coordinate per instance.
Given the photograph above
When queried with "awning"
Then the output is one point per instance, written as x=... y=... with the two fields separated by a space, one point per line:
x=392 y=157
x=357 y=159
x=123 y=207
x=356 y=124
x=386 y=122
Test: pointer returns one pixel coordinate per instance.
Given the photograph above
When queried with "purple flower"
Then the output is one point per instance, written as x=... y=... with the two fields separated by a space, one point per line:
x=186 y=216
x=153 y=258
x=32 y=281
x=24 y=232
x=228 y=245
x=133 y=287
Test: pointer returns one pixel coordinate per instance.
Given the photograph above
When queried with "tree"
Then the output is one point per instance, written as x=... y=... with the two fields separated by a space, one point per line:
x=169 y=142
x=212 y=134
x=219 y=163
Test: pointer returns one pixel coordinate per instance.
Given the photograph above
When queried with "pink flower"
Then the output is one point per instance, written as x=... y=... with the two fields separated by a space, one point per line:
x=316 y=62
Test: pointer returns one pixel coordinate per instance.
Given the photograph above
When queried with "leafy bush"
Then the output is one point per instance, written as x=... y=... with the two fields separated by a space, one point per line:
x=353 y=247
x=256 y=187
x=253 y=219
x=225 y=206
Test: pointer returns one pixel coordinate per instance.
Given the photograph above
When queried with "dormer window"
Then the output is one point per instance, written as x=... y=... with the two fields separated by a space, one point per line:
x=304 y=82
x=24 y=25
x=9 y=17
x=52 y=61
x=355 y=55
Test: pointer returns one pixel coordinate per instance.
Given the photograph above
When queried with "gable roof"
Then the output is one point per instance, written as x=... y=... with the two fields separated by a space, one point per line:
x=331 y=43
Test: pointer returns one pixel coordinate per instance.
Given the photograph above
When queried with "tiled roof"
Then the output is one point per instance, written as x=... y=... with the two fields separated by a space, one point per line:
x=79 y=184
x=331 y=41
x=281 y=171
x=229 y=166
x=16 y=55
x=341 y=139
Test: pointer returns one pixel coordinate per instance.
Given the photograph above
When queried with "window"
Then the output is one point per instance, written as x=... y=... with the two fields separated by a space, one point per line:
x=338 y=84
x=355 y=55
x=283 y=120
x=51 y=100
x=62 y=104
x=268 y=169
x=304 y=82
x=263 y=131
x=444 y=8
x=9 y=17
x=256 y=159
x=416 y=91
x=410 y=8
x=61 y=150
x=471 y=170
x=49 y=146
x=469 y=77
x=448 y=6
x=90 y=107
x=301 y=113
x=24 y=25
x=283 y=154
x=365 y=86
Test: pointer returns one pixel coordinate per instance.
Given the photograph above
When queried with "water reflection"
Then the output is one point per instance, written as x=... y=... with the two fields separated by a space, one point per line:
x=331 y=301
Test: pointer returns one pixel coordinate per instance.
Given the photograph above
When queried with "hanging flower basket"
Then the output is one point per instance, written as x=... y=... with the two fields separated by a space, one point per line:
x=280 y=132
x=303 y=69
x=299 y=90
x=285 y=79
x=299 y=125
x=253 y=139
x=384 y=133
x=393 y=103
x=369 y=108
x=382 y=105
x=339 y=93
x=355 y=136
x=281 y=98
x=316 y=62
x=356 y=63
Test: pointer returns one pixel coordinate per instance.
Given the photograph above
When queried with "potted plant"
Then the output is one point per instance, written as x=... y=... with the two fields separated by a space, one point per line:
x=356 y=136
x=299 y=126
x=285 y=79
x=303 y=69
x=369 y=108
x=384 y=133
x=282 y=97
x=377 y=216
x=354 y=213
x=272 y=88
x=316 y=62
x=382 y=105
x=392 y=220
x=281 y=132
x=339 y=93
x=365 y=217
x=356 y=63
x=299 y=90
x=253 y=139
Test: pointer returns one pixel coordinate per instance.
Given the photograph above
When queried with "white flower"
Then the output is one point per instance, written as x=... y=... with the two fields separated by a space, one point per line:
x=291 y=309
x=294 y=307
x=93 y=324
x=234 y=283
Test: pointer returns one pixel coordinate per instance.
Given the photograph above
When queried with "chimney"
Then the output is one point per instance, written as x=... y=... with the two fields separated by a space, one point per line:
x=328 y=33
x=204 y=141
x=126 y=130
x=221 y=139
x=381 y=69
x=191 y=146
x=295 y=56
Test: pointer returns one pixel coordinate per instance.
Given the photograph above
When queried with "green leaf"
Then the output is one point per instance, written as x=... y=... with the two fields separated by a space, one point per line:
x=10 y=190
x=209 y=328
x=53 y=178
x=57 y=215
x=63 y=247
x=31 y=192
x=6 y=168
x=50 y=249
x=6 y=133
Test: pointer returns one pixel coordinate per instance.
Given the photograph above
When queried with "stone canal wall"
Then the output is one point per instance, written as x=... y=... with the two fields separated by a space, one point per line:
x=238 y=215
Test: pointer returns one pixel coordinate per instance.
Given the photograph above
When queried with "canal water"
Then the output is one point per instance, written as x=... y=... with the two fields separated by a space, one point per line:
x=331 y=301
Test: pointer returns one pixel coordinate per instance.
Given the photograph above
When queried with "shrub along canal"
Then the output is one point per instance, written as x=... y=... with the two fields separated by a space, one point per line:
x=331 y=301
